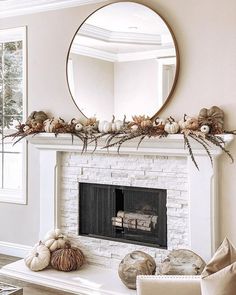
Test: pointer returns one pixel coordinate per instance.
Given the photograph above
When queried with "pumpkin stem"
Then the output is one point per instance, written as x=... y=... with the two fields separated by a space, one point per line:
x=113 y=119
x=172 y=119
x=156 y=120
x=36 y=254
x=124 y=119
x=185 y=116
x=67 y=245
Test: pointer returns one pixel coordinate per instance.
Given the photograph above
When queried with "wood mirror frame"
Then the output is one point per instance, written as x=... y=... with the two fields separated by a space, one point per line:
x=177 y=65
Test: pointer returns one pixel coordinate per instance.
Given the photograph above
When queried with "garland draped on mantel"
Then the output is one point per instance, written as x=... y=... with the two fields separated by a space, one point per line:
x=206 y=129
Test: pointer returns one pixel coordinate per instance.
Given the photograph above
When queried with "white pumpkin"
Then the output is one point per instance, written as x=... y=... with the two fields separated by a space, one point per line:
x=104 y=126
x=50 y=124
x=134 y=128
x=38 y=258
x=205 y=129
x=79 y=127
x=182 y=122
x=171 y=126
x=116 y=125
x=188 y=123
x=54 y=240
x=26 y=128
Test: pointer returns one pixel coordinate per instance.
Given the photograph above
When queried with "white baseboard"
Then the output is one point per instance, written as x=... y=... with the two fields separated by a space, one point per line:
x=13 y=249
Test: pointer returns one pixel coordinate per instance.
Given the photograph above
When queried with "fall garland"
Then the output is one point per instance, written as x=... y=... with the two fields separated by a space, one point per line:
x=204 y=129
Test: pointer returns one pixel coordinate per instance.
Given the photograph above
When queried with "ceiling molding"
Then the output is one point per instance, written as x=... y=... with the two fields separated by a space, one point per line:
x=121 y=57
x=95 y=32
x=95 y=53
x=11 y=8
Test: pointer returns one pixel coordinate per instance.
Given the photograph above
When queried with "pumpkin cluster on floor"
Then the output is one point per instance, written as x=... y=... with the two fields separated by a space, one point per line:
x=204 y=129
x=55 y=250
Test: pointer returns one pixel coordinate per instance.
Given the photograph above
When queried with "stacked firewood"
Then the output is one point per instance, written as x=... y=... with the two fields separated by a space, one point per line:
x=132 y=220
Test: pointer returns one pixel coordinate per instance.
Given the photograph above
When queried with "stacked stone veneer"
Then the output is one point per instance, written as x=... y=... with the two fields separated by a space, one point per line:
x=168 y=173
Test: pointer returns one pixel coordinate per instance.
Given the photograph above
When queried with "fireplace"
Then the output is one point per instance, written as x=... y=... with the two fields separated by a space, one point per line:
x=125 y=214
x=157 y=164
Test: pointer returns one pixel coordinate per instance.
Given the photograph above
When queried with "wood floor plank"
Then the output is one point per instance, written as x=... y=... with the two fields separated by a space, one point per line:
x=29 y=289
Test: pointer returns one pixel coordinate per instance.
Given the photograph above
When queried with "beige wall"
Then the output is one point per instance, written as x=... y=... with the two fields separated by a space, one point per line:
x=94 y=86
x=135 y=81
x=206 y=34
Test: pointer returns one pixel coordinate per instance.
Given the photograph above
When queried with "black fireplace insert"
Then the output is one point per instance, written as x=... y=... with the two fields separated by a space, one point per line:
x=121 y=213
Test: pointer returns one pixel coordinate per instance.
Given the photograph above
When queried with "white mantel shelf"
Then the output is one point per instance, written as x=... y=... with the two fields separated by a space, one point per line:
x=171 y=145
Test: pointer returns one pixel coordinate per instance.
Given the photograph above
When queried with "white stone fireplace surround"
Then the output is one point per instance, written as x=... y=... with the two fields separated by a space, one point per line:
x=149 y=171
x=192 y=203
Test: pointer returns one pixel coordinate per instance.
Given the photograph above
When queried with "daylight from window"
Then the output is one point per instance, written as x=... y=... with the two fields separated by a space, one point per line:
x=11 y=112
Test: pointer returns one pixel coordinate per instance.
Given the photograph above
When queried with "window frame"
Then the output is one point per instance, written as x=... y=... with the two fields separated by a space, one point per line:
x=14 y=196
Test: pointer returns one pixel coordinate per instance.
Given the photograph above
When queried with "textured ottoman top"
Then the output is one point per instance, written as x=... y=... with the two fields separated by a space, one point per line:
x=6 y=289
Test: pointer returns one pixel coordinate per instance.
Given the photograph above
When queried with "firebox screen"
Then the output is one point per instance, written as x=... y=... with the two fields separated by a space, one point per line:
x=128 y=214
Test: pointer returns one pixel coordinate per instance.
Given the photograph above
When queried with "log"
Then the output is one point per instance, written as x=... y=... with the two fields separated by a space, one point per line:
x=144 y=228
x=132 y=220
x=115 y=223
x=127 y=225
x=131 y=215
x=117 y=219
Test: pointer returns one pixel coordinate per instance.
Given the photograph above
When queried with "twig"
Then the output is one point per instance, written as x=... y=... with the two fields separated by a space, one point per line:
x=187 y=143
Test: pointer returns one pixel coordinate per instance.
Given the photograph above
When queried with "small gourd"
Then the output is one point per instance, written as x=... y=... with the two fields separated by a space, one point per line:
x=38 y=258
x=188 y=123
x=54 y=239
x=146 y=123
x=78 y=127
x=26 y=128
x=116 y=125
x=50 y=125
x=213 y=117
x=67 y=259
x=37 y=126
x=134 y=128
x=171 y=126
x=182 y=122
x=38 y=117
x=104 y=126
x=205 y=129
x=160 y=122
x=192 y=124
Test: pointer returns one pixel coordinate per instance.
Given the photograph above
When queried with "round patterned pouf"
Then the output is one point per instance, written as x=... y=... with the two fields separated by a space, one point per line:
x=134 y=264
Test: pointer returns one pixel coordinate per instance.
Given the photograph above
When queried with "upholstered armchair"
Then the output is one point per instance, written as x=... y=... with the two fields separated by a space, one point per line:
x=168 y=285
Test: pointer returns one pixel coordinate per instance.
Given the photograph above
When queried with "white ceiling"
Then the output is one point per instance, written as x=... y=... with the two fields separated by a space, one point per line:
x=128 y=17
x=124 y=28
x=9 y=8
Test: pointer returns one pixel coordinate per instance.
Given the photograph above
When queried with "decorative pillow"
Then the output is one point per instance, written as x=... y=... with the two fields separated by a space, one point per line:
x=219 y=275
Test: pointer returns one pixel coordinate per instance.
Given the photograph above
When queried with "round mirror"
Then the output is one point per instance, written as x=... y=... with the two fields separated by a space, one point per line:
x=123 y=60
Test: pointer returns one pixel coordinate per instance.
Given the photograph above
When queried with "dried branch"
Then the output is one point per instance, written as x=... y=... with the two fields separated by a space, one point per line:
x=187 y=143
x=204 y=144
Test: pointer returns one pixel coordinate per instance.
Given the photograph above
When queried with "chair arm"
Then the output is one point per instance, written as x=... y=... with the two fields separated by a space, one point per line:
x=168 y=285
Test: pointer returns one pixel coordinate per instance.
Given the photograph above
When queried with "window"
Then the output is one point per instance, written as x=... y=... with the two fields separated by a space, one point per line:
x=12 y=111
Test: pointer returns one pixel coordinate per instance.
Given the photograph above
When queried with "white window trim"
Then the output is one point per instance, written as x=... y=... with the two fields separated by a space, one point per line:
x=7 y=195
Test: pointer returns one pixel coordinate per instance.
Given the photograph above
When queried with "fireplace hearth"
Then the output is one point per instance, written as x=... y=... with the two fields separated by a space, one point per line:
x=125 y=214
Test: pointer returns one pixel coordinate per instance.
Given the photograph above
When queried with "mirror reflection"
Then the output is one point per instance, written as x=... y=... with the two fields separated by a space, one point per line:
x=122 y=61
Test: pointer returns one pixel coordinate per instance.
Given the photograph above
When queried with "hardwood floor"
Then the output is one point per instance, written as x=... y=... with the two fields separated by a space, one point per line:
x=29 y=289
